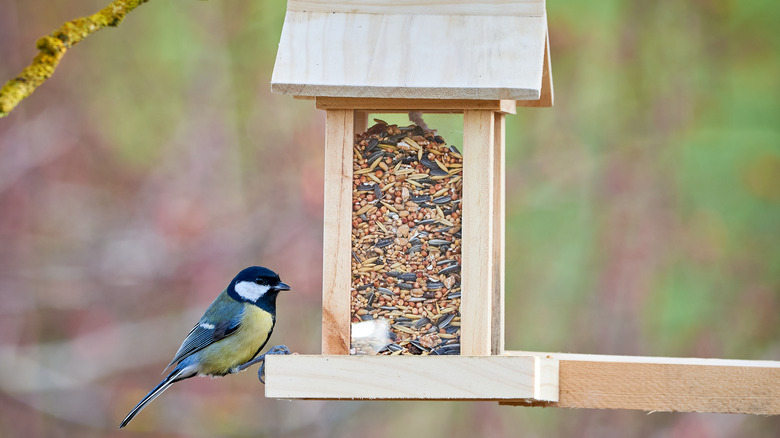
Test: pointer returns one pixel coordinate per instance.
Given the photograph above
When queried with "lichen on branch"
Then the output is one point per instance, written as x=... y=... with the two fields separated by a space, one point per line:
x=53 y=47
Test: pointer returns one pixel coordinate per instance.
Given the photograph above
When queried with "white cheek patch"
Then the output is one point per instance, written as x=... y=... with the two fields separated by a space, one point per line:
x=251 y=291
x=207 y=326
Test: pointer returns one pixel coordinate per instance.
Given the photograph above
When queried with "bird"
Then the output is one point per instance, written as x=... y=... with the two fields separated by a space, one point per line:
x=229 y=335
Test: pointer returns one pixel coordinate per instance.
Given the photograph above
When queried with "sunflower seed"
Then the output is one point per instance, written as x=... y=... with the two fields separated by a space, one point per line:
x=381 y=243
x=450 y=269
x=422 y=322
x=385 y=291
x=394 y=347
x=408 y=276
x=445 y=320
x=428 y=163
x=447 y=350
x=445 y=262
x=438 y=172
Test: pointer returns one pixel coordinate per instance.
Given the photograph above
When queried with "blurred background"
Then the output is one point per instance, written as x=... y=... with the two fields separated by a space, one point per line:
x=643 y=215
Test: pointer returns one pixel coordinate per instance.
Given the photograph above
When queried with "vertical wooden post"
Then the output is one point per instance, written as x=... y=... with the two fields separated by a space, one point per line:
x=339 y=138
x=478 y=232
x=361 y=121
x=499 y=227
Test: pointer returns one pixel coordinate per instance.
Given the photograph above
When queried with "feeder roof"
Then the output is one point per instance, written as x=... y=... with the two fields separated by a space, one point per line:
x=435 y=49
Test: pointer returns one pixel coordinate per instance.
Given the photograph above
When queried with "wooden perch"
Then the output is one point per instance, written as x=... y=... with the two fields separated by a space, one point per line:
x=53 y=47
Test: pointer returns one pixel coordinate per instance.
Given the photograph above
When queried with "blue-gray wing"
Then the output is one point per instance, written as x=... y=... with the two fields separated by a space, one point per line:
x=222 y=319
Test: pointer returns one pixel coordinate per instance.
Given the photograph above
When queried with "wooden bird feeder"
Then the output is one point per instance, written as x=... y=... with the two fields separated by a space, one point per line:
x=481 y=60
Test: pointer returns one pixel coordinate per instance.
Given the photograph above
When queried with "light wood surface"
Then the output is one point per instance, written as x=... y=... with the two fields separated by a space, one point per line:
x=403 y=105
x=411 y=377
x=477 y=273
x=361 y=121
x=547 y=97
x=457 y=53
x=574 y=380
x=337 y=240
x=416 y=7
x=499 y=214
x=666 y=383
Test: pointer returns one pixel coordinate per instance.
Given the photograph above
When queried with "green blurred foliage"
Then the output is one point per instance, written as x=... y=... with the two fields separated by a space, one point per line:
x=643 y=214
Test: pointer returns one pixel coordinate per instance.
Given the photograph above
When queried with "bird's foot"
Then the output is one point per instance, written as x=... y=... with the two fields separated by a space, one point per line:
x=279 y=349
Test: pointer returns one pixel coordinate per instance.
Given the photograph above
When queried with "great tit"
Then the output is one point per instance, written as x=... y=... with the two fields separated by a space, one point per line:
x=234 y=329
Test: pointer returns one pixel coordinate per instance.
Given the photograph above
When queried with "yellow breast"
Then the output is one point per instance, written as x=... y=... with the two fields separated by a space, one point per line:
x=241 y=346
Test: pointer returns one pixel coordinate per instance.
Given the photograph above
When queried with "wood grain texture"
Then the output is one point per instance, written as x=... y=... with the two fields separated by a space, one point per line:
x=339 y=135
x=547 y=97
x=403 y=105
x=431 y=7
x=451 y=56
x=361 y=121
x=667 y=384
x=499 y=227
x=478 y=231
x=411 y=377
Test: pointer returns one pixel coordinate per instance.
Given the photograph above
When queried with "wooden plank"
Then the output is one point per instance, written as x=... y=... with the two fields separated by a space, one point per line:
x=440 y=7
x=478 y=231
x=399 y=56
x=361 y=121
x=547 y=97
x=499 y=227
x=666 y=384
x=372 y=104
x=411 y=377
x=339 y=137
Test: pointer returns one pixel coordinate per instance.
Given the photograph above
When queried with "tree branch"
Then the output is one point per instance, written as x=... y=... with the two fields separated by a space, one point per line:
x=53 y=47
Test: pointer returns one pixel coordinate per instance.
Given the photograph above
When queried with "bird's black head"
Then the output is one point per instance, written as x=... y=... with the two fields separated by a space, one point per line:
x=257 y=285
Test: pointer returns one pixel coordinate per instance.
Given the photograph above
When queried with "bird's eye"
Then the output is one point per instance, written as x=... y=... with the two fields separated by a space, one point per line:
x=260 y=281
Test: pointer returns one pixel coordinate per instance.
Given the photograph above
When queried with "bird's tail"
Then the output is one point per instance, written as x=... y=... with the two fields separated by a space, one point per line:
x=175 y=375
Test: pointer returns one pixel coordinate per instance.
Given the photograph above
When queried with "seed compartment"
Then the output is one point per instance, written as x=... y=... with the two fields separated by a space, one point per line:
x=406 y=242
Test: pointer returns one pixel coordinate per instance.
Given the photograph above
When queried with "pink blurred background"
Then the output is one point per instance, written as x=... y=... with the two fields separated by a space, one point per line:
x=643 y=215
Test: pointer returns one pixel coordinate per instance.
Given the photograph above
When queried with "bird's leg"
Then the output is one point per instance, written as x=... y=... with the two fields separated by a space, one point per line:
x=279 y=349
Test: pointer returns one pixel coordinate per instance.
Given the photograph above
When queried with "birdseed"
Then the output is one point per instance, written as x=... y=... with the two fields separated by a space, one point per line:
x=406 y=242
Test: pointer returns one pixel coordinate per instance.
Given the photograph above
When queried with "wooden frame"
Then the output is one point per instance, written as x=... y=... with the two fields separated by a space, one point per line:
x=480 y=372
x=485 y=371
x=490 y=57
x=483 y=126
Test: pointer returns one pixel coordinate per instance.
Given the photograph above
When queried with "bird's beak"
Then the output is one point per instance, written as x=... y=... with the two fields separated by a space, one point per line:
x=282 y=286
